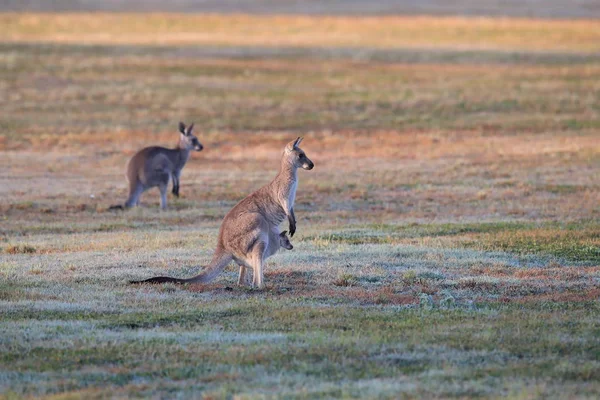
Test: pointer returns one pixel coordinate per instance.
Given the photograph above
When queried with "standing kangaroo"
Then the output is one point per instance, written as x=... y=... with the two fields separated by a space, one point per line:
x=249 y=232
x=155 y=166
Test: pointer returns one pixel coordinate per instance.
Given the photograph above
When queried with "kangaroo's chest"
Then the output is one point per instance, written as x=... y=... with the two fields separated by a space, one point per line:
x=292 y=195
x=182 y=160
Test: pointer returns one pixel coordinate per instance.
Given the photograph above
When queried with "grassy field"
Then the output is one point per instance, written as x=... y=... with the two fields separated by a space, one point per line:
x=448 y=238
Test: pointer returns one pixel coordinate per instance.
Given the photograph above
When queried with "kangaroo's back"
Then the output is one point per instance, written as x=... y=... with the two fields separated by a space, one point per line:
x=150 y=165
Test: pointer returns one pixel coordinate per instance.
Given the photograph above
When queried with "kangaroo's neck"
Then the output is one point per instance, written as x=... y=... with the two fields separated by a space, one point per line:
x=287 y=172
x=182 y=154
x=285 y=183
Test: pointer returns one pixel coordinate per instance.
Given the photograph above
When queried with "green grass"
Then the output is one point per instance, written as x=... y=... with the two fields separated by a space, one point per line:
x=578 y=242
x=344 y=350
x=348 y=324
x=573 y=246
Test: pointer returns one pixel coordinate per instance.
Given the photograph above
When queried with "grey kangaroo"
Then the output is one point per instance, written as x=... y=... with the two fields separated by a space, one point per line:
x=284 y=241
x=155 y=166
x=249 y=232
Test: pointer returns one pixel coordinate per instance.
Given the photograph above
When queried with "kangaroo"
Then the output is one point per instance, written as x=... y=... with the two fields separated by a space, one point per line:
x=249 y=233
x=284 y=242
x=155 y=166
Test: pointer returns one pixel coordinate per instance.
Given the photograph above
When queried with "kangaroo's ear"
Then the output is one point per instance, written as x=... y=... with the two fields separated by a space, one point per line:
x=282 y=234
x=189 y=129
x=293 y=144
x=182 y=127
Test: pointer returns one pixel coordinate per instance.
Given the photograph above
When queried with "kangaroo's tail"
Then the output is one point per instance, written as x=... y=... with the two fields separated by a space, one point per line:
x=116 y=207
x=218 y=263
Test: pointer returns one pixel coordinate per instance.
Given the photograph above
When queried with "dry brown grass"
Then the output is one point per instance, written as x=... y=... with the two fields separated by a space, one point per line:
x=273 y=31
x=411 y=176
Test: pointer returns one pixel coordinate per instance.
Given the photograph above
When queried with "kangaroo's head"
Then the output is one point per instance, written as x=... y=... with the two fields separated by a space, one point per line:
x=284 y=241
x=187 y=140
x=297 y=156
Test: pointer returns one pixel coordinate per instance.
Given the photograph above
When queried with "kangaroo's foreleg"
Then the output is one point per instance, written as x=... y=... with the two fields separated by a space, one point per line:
x=292 y=222
x=175 y=190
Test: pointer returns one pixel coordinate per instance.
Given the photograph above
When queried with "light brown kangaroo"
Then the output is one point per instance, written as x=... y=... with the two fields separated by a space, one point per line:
x=249 y=232
x=155 y=166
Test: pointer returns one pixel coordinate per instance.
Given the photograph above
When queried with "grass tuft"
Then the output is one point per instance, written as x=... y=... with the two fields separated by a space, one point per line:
x=20 y=249
x=346 y=280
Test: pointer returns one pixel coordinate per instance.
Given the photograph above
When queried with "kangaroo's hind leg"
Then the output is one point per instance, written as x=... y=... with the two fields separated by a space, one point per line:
x=258 y=260
x=162 y=181
x=243 y=276
x=135 y=191
x=163 y=196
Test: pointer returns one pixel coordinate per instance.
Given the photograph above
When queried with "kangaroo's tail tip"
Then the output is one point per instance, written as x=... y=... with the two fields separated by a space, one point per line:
x=116 y=207
x=158 y=279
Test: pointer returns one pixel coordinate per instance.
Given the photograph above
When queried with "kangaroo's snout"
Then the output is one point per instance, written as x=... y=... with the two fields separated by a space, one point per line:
x=308 y=166
x=198 y=147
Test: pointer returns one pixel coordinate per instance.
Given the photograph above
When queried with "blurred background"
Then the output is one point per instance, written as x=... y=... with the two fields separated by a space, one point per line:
x=525 y=8
x=415 y=111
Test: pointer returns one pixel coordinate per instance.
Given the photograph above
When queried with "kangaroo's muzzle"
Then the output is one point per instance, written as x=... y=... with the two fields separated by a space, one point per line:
x=308 y=166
